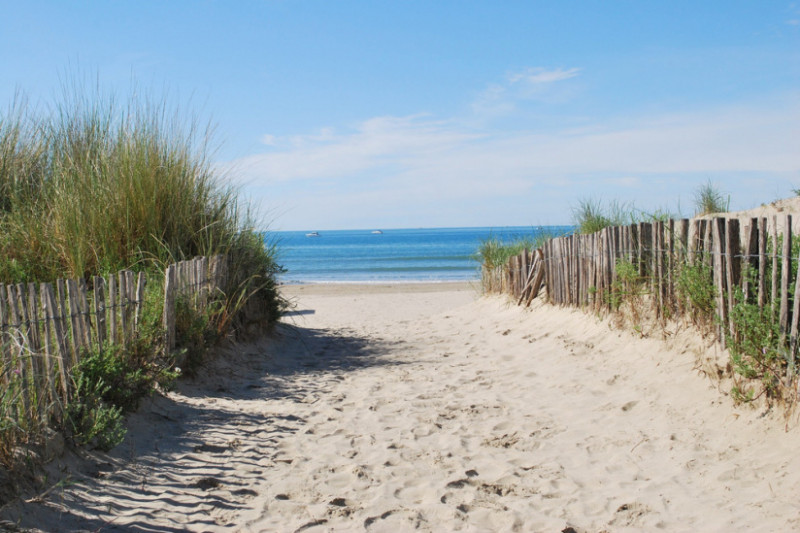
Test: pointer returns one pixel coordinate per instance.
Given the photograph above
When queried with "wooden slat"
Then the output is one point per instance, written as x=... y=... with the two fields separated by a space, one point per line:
x=555 y=286
x=775 y=274
x=33 y=318
x=669 y=250
x=169 y=307
x=84 y=314
x=18 y=347
x=113 y=307
x=708 y=242
x=659 y=246
x=564 y=270
x=609 y=259
x=140 y=286
x=718 y=232
x=546 y=264
x=568 y=270
x=38 y=381
x=130 y=297
x=214 y=275
x=49 y=356
x=795 y=314
x=74 y=319
x=64 y=357
x=750 y=261
x=693 y=241
x=786 y=257
x=584 y=272
x=122 y=289
x=538 y=278
x=732 y=269
x=66 y=321
x=24 y=318
x=14 y=322
x=762 y=262
x=100 y=310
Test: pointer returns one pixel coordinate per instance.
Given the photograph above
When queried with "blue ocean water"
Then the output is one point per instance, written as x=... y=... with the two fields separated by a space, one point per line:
x=402 y=255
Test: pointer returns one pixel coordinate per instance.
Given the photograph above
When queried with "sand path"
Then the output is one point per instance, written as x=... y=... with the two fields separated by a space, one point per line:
x=394 y=409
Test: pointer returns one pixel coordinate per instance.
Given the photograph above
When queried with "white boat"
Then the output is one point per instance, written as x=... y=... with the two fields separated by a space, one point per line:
x=377 y=232
x=313 y=234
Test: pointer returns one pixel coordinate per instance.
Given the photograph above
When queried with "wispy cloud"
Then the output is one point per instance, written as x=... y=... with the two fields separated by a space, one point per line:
x=538 y=76
x=419 y=168
x=380 y=142
x=529 y=84
x=794 y=14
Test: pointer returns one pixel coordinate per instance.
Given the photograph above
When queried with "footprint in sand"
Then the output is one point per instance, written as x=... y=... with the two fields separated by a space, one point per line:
x=630 y=515
x=630 y=405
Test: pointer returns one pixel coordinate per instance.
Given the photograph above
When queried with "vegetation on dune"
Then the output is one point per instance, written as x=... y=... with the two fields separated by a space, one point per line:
x=591 y=216
x=90 y=187
x=709 y=199
x=493 y=252
x=493 y=255
x=764 y=357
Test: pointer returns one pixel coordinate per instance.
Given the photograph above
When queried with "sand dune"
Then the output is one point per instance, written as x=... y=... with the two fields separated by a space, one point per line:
x=429 y=408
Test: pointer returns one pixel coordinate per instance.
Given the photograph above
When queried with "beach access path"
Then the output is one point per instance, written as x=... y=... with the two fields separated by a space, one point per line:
x=429 y=407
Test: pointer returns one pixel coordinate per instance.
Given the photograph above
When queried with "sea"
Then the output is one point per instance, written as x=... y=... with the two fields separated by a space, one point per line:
x=422 y=255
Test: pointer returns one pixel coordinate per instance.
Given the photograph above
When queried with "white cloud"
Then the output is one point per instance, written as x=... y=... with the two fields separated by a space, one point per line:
x=537 y=76
x=420 y=169
x=377 y=142
x=530 y=84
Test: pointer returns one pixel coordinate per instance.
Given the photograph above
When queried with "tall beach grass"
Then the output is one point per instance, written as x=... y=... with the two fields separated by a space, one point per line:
x=91 y=185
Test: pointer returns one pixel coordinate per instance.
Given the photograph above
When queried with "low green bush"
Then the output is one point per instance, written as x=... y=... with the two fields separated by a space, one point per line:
x=694 y=287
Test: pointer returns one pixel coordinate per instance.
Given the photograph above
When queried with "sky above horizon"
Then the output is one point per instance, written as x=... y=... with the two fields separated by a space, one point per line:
x=420 y=113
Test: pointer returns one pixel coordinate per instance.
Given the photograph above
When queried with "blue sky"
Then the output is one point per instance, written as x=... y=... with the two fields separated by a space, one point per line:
x=417 y=113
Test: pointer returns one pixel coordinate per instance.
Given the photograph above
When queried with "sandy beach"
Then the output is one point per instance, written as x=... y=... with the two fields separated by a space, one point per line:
x=429 y=407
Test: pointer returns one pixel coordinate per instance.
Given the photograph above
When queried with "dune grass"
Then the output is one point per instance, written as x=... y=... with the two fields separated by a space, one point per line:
x=90 y=186
x=591 y=215
x=709 y=199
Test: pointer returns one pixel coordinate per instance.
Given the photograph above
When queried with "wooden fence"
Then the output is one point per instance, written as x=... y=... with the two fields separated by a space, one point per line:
x=196 y=280
x=582 y=270
x=46 y=328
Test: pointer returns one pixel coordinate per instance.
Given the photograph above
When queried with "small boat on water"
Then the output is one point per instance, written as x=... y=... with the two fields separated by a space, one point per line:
x=377 y=232
x=313 y=234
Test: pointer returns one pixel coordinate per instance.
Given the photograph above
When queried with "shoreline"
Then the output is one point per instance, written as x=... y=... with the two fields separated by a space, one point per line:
x=355 y=288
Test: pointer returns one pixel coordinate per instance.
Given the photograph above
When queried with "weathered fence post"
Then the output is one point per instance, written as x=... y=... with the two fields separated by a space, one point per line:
x=169 y=308
x=786 y=266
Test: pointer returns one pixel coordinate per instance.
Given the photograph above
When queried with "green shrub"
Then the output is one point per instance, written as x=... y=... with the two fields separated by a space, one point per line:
x=627 y=287
x=194 y=334
x=90 y=418
x=694 y=286
x=759 y=353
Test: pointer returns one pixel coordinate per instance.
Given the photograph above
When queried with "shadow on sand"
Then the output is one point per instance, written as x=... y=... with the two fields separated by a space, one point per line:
x=199 y=452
